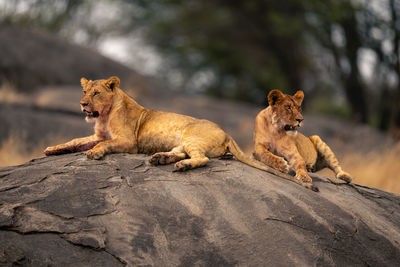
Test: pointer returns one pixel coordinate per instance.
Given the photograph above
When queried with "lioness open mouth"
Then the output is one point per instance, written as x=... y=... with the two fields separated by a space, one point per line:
x=93 y=114
x=290 y=127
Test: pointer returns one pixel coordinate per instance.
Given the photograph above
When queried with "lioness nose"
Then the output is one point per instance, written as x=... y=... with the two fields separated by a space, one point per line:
x=299 y=120
x=84 y=104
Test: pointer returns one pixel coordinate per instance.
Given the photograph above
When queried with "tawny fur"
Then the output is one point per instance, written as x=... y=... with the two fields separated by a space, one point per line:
x=122 y=125
x=278 y=144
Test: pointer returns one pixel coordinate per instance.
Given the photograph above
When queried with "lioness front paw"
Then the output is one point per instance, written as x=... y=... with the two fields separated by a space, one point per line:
x=95 y=154
x=281 y=165
x=49 y=150
x=303 y=176
x=344 y=176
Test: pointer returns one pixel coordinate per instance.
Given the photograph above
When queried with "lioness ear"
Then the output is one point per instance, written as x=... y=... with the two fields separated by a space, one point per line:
x=112 y=82
x=84 y=82
x=275 y=96
x=298 y=97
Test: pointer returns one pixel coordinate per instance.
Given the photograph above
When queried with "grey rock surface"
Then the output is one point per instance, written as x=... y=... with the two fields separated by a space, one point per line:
x=68 y=210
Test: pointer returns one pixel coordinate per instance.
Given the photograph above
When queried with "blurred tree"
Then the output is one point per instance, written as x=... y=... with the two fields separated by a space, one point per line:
x=335 y=27
x=241 y=49
x=49 y=15
x=255 y=45
x=83 y=21
x=380 y=29
x=251 y=46
x=395 y=25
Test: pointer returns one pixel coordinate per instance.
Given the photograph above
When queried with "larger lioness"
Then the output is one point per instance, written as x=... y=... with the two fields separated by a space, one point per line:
x=278 y=144
x=122 y=125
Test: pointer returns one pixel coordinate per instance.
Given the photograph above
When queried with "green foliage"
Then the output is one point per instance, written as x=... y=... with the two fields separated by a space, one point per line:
x=325 y=106
x=49 y=15
x=252 y=46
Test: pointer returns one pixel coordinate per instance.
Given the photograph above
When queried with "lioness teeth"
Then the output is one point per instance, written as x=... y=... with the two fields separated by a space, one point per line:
x=290 y=128
x=93 y=114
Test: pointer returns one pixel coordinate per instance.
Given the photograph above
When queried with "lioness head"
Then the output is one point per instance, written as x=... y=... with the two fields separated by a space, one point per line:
x=97 y=97
x=286 y=110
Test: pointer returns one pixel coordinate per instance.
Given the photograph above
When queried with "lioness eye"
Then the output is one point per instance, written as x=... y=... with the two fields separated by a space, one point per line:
x=95 y=93
x=288 y=107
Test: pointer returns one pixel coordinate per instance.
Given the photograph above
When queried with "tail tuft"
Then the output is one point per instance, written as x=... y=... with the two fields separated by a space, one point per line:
x=314 y=188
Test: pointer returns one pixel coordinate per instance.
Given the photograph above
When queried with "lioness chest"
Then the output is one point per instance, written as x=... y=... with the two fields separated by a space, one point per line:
x=288 y=145
x=306 y=149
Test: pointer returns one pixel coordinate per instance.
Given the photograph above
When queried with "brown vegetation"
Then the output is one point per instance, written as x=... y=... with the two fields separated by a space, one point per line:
x=13 y=149
x=380 y=169
x=8 y=94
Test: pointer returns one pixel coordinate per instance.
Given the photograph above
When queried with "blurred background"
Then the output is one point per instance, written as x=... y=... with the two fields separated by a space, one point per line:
x=210 y=59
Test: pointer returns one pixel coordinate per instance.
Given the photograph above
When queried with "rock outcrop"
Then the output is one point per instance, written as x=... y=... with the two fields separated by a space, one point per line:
x=32 y=59
x=68 y=210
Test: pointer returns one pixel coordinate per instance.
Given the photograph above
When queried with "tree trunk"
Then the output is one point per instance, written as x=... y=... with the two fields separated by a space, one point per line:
x=385 y=109
x=395 y=121
x=395 y=118
x=355 y=91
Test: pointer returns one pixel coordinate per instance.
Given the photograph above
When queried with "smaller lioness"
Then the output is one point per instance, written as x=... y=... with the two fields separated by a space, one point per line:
x=278 y=144
x=122 y=125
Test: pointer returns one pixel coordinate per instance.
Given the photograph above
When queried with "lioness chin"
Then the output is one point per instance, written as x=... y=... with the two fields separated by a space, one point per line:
x=122 y=125
x=278 y=144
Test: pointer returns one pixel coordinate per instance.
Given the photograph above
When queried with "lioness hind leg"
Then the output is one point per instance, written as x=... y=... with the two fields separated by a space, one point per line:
x=191 y=163
x=201 y=140
x=197 y=159
x=329 y=158
x=163 y=158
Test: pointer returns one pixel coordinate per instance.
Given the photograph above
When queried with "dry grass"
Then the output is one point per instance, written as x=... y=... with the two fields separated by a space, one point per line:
x=8 y=94
x=13 y=150
x=380 y=169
